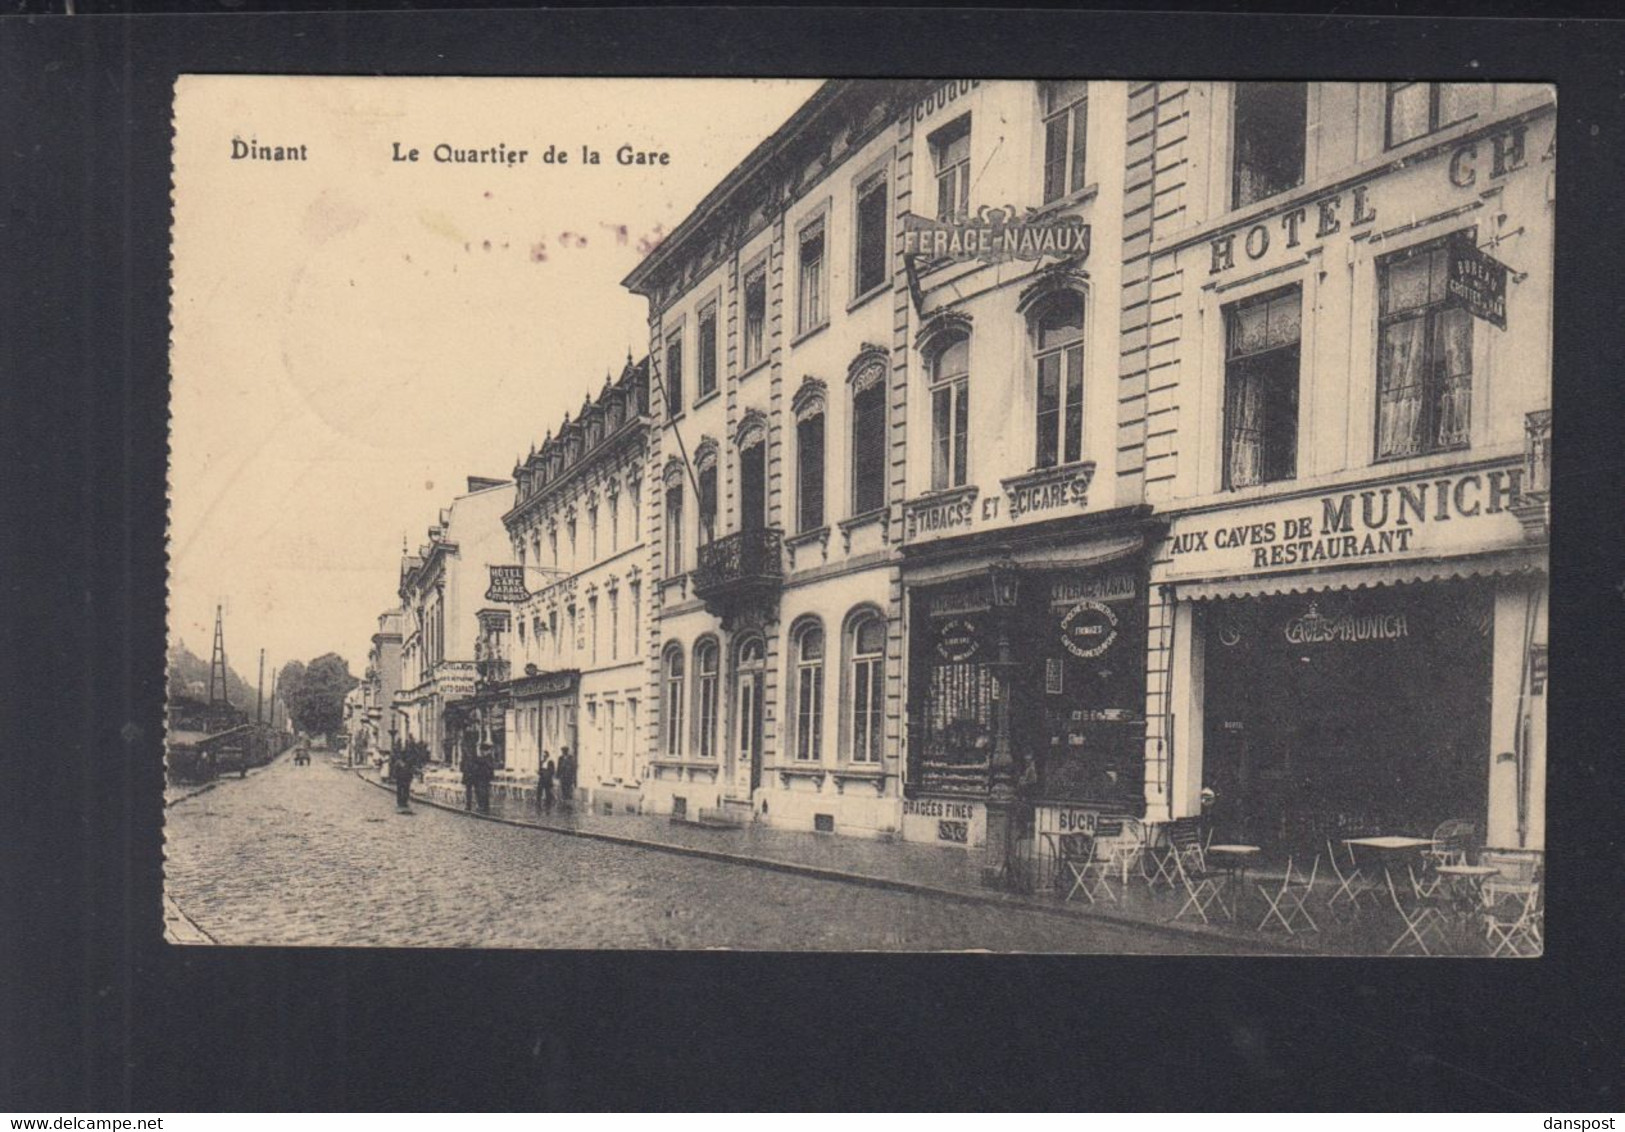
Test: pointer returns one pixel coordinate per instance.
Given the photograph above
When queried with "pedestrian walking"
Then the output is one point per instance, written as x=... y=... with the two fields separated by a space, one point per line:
x=544 y=783
x=567 y=775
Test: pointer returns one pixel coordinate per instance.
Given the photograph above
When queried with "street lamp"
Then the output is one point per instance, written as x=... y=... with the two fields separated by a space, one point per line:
x=1005 y=578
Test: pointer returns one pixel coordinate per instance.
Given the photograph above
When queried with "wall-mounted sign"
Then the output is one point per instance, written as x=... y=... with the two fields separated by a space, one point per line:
x=1537 y=669
x=945 y=95
x=1066 y=486
x=996 y=234
x=1097 y=587
x=958 y=640
x=1317 y=628
x=1478 y=282
x=1054 y=676
x=1306 y=223
x=507 y=584
x=937 y=513
x=1465 y=513
x=1088 y=629
x=965 y=597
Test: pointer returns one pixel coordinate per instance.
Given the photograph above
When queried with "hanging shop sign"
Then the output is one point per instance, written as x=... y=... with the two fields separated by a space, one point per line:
x=1478 y=282
x=1088 y=629
x=958 y=640
x=1467 y=513
x=994 y=235
x=507 y=584
x=1317 y=628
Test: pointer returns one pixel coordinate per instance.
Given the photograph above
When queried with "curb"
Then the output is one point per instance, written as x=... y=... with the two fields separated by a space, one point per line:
x=213 y=782
x=916 y=888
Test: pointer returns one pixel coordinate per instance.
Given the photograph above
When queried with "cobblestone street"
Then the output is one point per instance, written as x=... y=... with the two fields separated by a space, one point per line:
x=313 y=856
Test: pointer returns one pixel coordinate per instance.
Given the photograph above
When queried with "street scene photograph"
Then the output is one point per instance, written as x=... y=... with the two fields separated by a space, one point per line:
x=969 y=515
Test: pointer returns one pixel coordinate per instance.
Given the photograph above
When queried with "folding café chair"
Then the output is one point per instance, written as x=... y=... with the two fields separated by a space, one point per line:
x=1286 y=904
x=1452 y=842
x=1160 y=858
x=1518 y=936
x=1203 y=888
x=1092 y=875
x=1421 y=922
x=1128 y=849
x=1351 y=885
x=1074 y=853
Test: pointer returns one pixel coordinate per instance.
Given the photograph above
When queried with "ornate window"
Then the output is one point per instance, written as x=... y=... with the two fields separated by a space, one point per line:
x=1066 y=136
x=1416 y=109
x=706 y=670
x=752 y=442
x=865 y=686
x=1261 y=388
x=949 y=367
x=674 y=373
x=755 y=314
x=950 y=157
x=705 y=461
x=808 y=406
x=808 y=718
x=869 y=436
x=1424 y=355
x=672 y=742
x=674 y=522
x=812 y=309
x=1057 y=331
x=708 y=352
x=871 y=249
x=1269 y=137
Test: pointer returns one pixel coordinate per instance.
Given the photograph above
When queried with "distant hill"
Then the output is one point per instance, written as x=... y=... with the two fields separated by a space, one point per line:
x=189 y=676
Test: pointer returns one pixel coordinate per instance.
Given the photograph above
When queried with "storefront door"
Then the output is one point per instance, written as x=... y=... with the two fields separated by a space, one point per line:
x=1339 y=714
x=744 y=771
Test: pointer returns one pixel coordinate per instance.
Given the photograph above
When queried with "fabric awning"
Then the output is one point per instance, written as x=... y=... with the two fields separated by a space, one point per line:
x=1503 y=563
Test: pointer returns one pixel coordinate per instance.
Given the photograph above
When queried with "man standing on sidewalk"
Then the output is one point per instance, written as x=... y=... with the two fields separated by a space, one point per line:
x=567 y=776
x=484 y=770
x=544 y=784
x=471 y=774
x=401 y=770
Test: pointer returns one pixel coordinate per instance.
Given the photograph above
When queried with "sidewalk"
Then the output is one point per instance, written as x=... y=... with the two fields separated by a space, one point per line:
x=900 y=866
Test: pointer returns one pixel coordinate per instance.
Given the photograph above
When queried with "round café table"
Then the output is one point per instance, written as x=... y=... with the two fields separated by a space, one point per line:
x=1235 y=859
x=1466 y=890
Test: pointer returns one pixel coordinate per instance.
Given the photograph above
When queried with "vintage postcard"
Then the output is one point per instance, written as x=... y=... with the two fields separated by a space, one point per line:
x=1007 y=515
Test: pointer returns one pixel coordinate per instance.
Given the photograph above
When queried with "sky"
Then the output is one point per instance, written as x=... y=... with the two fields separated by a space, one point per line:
x=354 y=335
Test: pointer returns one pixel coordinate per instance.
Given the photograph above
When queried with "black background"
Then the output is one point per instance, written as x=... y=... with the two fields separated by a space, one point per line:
x=100 y=1015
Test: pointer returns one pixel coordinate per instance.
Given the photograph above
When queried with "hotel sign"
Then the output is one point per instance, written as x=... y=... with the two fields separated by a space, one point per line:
x=507 y=584
x=994 y=235
x=1478 y=282
x=1463 y=513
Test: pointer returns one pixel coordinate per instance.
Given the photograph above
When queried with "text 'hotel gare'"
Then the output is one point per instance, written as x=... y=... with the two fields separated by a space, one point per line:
x=1010 y=455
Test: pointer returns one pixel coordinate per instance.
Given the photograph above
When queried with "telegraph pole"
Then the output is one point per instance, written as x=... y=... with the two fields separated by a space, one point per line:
x=259 y=691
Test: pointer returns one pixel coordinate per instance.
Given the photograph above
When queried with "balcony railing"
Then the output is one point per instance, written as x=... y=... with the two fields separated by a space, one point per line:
x=741 y=565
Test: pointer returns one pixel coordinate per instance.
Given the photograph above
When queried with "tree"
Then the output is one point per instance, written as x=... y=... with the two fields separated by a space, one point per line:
x=288 y=682
x=316 y=700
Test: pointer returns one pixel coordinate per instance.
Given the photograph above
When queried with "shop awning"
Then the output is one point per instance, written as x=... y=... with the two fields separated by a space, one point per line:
x=1500 y=564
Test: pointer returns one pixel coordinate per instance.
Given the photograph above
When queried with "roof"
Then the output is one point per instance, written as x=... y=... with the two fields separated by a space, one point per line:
x=744 y=175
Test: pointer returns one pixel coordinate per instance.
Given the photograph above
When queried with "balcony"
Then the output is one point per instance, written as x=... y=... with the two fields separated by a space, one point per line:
x=741 y=574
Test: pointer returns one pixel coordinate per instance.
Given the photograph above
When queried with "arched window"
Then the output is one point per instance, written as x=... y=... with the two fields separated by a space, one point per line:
x=706 y=462
x=752 y=478
x=866 y=686
x=673 y=705
x=705 y=698
x=1057 y=327
x=808 y=657
x=950 y=410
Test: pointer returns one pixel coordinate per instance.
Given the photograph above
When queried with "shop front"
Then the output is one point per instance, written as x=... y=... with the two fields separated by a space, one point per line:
x=1358 y=663
x=1026 y=683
